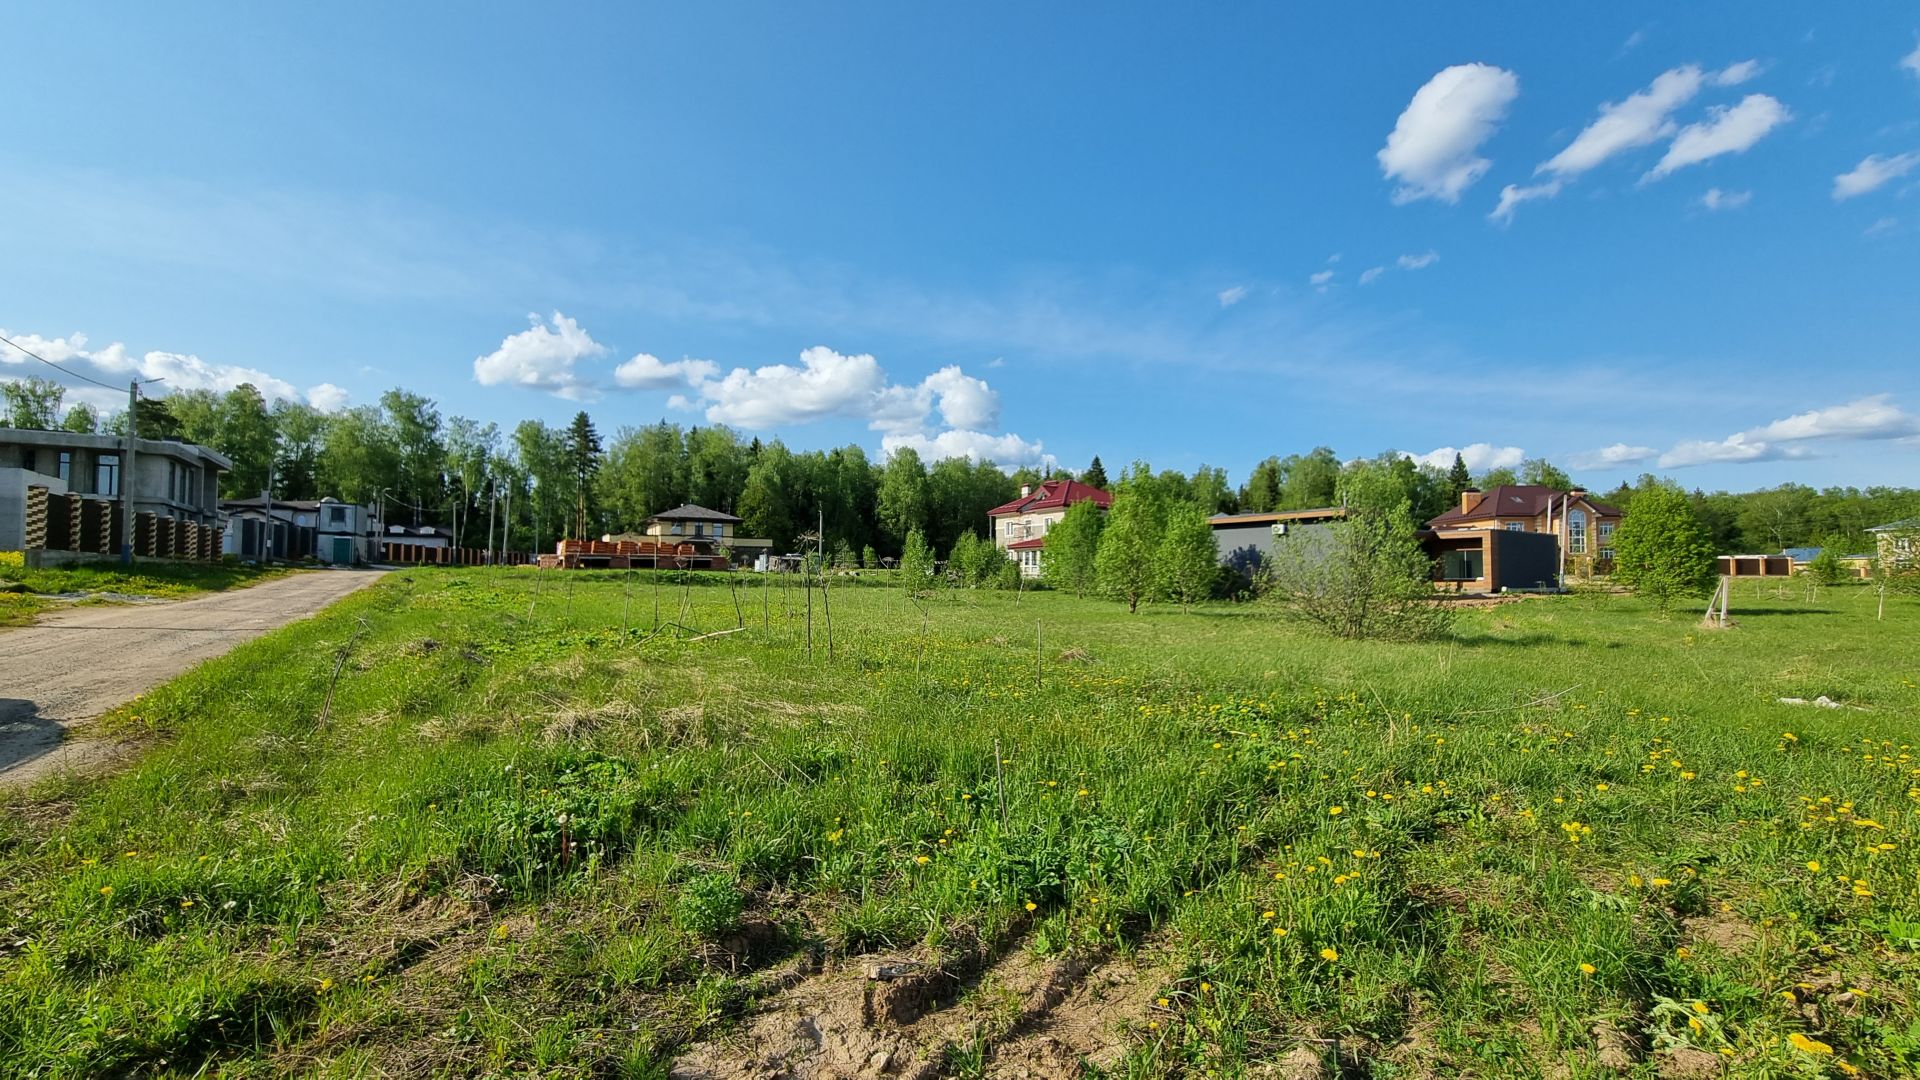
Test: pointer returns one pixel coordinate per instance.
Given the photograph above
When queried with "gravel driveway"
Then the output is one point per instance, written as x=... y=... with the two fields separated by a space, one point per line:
x=68 y=668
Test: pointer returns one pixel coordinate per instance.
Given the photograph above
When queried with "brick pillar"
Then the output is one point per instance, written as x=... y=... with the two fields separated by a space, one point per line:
x=36 y=519
x=76 y=522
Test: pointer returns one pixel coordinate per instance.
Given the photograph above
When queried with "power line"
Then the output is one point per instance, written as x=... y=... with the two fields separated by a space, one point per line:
x=55 y=366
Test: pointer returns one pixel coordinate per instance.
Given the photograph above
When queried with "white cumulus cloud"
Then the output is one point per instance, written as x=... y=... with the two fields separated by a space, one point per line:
x=1420 y=261
x=1873 y=172
x=1433 y=150
x=175 y=371
x=1371 y=274
x=542 y=357
x=1911 y=61
x=1715 y=199
x=327 y=397
x=648 y=372
x=1479 y=456
x=1728 y=129
x=1232 y=296
x=826 y=383
x=1320 y=277
x=1868 y=419
x=1007 y=451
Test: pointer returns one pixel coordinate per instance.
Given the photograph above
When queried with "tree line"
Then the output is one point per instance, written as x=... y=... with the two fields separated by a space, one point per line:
x=542 y=482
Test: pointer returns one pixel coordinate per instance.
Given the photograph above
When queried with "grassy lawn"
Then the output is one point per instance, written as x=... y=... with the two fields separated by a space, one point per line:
x=170 y=581
x=516 y=836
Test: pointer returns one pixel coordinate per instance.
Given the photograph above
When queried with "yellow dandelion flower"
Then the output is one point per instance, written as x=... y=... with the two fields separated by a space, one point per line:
x=1336 y=809
x=106 y=890
x=1808 y=1046
x=922 y=860
x=1329 y=954
x=1031 y=905
x=1587 y=969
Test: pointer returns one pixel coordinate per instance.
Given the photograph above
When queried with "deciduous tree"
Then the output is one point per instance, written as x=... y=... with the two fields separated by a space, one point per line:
x=1660 y=549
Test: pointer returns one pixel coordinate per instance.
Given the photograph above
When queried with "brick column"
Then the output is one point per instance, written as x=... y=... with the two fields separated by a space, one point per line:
x=36 y=519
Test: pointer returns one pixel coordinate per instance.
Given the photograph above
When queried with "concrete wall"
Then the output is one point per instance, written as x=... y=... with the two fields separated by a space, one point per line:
x=1247 y=546
x=13 y=503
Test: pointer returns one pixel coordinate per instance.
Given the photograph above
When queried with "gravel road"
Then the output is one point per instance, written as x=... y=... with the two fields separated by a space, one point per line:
x=57 y=675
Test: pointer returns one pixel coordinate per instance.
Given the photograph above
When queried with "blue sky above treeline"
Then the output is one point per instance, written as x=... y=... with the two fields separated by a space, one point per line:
x=1631 y=238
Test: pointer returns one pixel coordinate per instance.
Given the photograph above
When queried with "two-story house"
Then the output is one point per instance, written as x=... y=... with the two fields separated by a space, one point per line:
x=1472 y=558
x=344 y=534
x=1020 y=527
x=707 y=529
x=172 y=480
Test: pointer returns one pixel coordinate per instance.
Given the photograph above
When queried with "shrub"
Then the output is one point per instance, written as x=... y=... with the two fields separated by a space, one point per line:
x=1366 y=577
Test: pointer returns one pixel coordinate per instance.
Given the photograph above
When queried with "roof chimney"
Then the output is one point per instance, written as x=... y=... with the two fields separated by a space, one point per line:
x=1026 y=490
x=1577 y=493
x=1468 y=498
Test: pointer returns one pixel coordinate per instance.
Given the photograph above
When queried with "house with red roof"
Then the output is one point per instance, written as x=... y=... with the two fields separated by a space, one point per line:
x=1020 y=526
x=1521 y=536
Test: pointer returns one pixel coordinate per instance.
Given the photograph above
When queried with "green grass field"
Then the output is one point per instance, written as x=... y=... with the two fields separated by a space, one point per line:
x=523 y=833
x=164 y=580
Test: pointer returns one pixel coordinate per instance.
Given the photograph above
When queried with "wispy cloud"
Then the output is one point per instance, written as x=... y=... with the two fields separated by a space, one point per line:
x=1371 y=274
x=1641 y=119
x=1232 y=296
x=1716 y=199
x=1418 y=262
x=1728 y=129
x=1873 y=172
x=1614 y=456
x=1911 y=61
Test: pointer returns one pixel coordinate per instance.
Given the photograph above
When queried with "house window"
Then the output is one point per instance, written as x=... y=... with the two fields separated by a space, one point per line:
x=66 y=467
x=1606 y=554
x=106 y=475
x=719 y=529
x=1577 y=532
x=1606 y=534
x=1516 y=526
x=1465 y=565
x=336 y=515
x=676 y=528
x=699 y=529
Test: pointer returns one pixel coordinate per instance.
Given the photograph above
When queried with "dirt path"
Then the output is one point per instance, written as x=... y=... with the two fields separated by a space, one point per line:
x=60 y=673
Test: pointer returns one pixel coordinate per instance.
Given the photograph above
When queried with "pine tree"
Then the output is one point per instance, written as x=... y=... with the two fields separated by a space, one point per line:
x=1096 y=474
x=583 y=457
x=1661 y=550
x=1458 y=479
x=1188 y=562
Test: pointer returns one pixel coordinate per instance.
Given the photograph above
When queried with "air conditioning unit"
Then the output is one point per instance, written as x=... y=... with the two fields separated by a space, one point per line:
x=1279 y=528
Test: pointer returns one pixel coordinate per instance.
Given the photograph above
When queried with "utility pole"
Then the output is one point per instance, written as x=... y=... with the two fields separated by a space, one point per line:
x=126 y=474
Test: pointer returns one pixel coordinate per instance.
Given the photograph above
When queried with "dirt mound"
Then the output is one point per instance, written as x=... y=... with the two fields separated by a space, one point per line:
x=1021 y=1014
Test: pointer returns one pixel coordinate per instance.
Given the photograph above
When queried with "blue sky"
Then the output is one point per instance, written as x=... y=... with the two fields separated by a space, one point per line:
x=1132 y=230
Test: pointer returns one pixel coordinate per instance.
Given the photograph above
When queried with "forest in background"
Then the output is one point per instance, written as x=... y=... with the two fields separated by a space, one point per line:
x=545 y=482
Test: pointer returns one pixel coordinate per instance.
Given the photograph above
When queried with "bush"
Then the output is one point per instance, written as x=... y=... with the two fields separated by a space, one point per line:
x=1366 y=577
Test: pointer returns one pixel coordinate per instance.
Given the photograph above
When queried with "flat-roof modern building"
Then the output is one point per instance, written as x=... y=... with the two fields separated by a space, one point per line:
x=171 y=480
